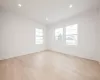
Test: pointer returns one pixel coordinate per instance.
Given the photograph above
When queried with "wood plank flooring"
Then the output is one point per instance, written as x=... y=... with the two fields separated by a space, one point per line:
x=49 y=65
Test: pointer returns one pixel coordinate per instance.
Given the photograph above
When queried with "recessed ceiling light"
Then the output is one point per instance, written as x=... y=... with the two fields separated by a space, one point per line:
x=46 y=18
x=19 y=5
x=70 y=6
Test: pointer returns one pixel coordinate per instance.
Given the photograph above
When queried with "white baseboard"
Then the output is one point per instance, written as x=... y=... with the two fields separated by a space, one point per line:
x=18 y=55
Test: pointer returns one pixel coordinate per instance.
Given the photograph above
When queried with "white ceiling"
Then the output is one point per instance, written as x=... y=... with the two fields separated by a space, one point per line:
x=54 y=10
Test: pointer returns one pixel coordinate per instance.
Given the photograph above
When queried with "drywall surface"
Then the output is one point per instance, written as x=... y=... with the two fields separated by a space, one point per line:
x=87 y=39
x=98 y=37
x=17 y=36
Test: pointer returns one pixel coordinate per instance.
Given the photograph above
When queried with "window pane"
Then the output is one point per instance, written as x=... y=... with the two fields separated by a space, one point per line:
x=71 y=39
x=39 y=34
x=59 y=33
x=39 y=41
x=72 y=34
x=72 y=29
x=39 y=38
x=39 y=30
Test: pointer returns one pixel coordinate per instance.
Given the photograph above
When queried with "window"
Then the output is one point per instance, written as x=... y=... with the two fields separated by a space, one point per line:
x=72 y=34
x=59 y=34
x=39 y=36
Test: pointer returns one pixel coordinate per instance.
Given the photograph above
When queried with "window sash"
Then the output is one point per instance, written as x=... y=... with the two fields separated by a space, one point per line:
x=71 y=39
x=73 y=29
x=58 y=33
x=39 y=30
x=72 y=34
x=39 y=41
x=39 y=36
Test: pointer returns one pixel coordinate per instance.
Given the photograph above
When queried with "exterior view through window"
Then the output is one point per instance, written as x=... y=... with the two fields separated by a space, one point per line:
x=72 y=34
x=59 y=34
x=39 y=36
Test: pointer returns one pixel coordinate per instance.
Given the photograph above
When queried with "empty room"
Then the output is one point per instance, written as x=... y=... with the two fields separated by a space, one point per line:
x=49 y=39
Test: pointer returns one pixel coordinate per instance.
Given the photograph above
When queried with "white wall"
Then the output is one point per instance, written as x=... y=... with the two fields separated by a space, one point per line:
x=98 y=36
x=87 y=40
x=17 y=36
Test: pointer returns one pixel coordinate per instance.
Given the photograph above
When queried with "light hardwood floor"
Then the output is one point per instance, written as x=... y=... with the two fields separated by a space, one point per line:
x=49 y=65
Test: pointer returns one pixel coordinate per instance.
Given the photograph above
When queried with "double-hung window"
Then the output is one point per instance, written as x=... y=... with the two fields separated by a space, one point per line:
x=59 y=34
x=39 y=36
x=72 y=34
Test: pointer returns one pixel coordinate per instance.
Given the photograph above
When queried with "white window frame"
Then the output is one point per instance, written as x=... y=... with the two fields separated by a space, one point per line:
x=57 y=37
x=75 y=42
x=39 y=36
